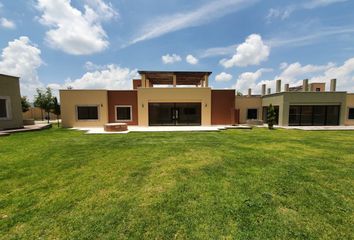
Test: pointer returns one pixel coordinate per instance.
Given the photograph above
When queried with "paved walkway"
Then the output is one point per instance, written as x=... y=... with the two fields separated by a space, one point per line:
x=27 y=128
x=321 y=128
x=95 y=130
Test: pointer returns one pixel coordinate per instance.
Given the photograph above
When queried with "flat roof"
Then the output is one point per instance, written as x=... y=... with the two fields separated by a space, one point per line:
x=182 y=77
x=6 y=75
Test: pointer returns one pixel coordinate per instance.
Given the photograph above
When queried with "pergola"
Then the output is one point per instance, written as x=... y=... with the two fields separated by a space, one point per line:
x=151 y=78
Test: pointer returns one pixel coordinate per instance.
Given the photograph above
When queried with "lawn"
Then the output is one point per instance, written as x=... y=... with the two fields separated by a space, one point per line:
x=235 y=184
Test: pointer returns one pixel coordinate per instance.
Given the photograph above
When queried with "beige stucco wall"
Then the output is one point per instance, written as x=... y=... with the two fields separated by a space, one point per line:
x=70 y=99
x=173 y=95
x=10 y=89
x=350 y=104
x=285 y=99
x=321 y=86
x=243 y=103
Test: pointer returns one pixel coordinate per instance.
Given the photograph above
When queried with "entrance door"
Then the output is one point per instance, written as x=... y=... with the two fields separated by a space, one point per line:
x=174 y=114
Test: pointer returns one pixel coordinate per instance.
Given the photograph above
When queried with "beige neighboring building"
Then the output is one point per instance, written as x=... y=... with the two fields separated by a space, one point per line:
x=10 y=103
x=38 y=114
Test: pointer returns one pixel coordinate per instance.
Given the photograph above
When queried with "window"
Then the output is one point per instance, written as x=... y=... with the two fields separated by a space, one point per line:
x=87 y=112
x=124 y=113
x=318 y=89
x=351 y=114
x=252 y=114
x=3 y=110
x=320 y=115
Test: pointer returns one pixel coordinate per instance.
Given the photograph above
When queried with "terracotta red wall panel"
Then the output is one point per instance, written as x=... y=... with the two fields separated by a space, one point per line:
x=136 y=83
x=222 y=107
x=129 y=97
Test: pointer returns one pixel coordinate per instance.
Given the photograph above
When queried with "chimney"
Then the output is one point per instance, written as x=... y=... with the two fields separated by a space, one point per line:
x=278 y=86
x=249 y=92
x=286 y=87
x=305 y=85
x=263 y=89
x=269 y=91
x=333 y=85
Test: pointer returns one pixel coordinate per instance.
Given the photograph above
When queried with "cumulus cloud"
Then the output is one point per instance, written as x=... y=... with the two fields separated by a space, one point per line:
x=223 y=77
x=248 y=80
x=73 y=31
x=108 y=77
x=170 y=59
x=22 y=58
x=252 y=52
x=6 y=23
x=294 y=73
x=191 y=59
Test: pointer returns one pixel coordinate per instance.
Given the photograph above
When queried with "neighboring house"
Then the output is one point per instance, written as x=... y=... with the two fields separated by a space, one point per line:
x=38 y=114
x=184 y=98
x=10 y=103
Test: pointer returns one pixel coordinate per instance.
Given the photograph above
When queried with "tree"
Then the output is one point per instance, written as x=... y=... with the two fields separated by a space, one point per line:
x=239 y=93
x=56 y=109
x=271 y=116
x=44 y=100
x=25 y=104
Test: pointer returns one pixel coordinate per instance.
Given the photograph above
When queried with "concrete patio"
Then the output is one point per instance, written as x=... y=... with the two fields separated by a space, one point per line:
x=95 y=130
x=26 y=128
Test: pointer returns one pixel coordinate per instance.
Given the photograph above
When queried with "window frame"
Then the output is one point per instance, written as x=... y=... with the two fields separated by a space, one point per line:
x=88 y=120
x=8 y=108
x=256 y=113
x=348 y=116
x=116 y=113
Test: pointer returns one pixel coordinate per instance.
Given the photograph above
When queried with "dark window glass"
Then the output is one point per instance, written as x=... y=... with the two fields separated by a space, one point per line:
x=332 y=115
x=3 y=113
x=306 y=115
x=123 y=113
x=252 y=114
x=87 y=113
x=318 y=89
x=319 y=115
x=294 y=115
x=351 y=113
x=314 y=115
x=189 y=111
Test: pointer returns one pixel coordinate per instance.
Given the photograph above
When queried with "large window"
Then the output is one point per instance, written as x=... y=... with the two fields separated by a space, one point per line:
x=87 y=112
x=124 y=113
x=313 y=115
x=3 y=109
x=351 y=114
x=252 y=113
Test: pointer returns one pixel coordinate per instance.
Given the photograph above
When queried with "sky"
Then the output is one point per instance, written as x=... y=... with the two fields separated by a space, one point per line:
x=101 y=44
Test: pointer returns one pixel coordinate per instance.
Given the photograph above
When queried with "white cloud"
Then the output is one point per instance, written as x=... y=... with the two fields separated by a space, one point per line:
x=73 y=31
x=252 y=52
x=109 y=77
x=202 y=15
x=218 y=51
x=296 y=71
x=320 y=3
x=191 y=59
x=22 y=58
x=6 y=23
x=170 y=59
x=248 y=80
x=223 y=77
x=285 y=12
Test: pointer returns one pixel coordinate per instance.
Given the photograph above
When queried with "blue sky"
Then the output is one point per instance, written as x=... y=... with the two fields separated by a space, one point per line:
x=101 y=43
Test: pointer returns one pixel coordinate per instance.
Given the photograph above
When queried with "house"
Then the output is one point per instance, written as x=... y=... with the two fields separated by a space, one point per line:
x=10 y=103
x=184 y=98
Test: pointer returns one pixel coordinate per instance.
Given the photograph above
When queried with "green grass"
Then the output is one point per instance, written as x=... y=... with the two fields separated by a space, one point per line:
x=235 y=184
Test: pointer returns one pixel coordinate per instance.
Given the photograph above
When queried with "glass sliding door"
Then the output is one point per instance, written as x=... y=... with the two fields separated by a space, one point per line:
x=317 y=115
x=174 y=114
x=332 y=115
